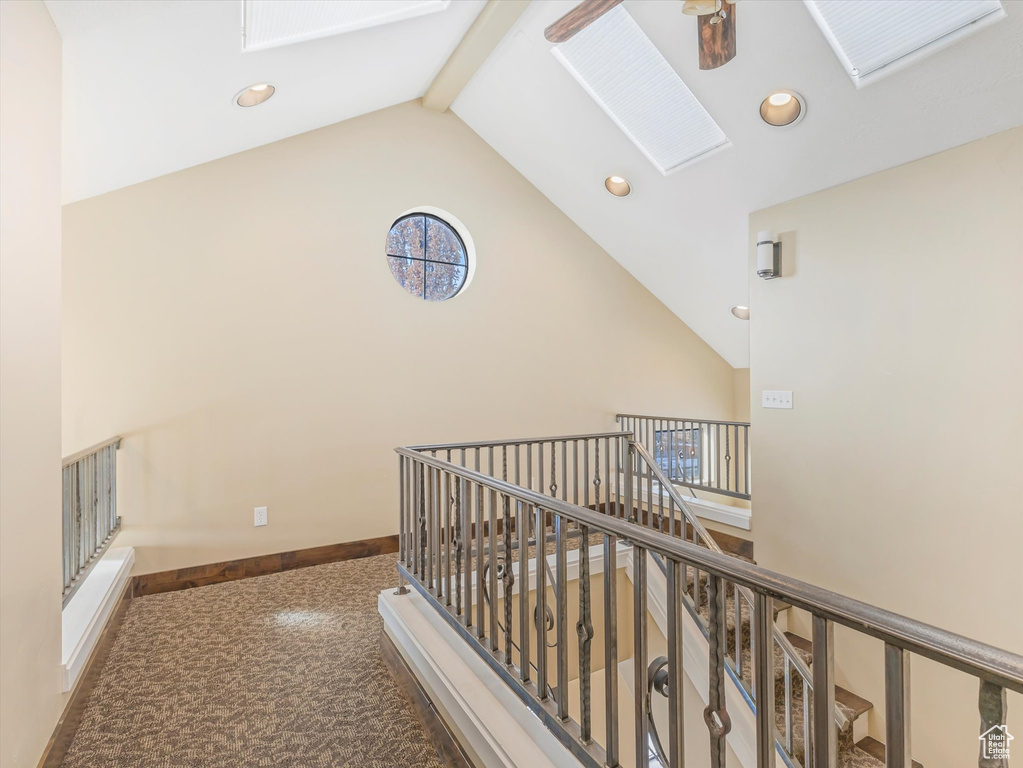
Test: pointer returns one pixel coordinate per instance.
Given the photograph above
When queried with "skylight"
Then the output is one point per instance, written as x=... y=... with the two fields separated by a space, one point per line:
x=874 y=37
x=270 y=23
x=628 y=77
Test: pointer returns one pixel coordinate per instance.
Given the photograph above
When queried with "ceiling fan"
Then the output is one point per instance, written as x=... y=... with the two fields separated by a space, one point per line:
x=716 y=26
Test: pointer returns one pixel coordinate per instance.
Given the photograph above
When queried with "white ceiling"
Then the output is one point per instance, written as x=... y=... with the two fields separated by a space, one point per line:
x=148 y=84
x=685 y=235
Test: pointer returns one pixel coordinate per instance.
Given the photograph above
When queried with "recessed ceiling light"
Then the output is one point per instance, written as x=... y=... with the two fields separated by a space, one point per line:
x=254 y=94
x=617 y=186
x=741 y=312
x=782 y=108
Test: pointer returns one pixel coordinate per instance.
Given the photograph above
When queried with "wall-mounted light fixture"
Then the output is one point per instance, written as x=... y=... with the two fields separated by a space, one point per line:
x=768 y=256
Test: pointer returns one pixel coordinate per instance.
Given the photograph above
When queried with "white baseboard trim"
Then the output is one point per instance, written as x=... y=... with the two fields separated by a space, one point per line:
x=737 y=517
x=489 y=721
x=88 y=610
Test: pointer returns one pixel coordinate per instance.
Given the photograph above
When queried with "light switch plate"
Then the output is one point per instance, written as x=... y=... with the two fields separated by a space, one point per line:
x=776 y=398
x=260 y=516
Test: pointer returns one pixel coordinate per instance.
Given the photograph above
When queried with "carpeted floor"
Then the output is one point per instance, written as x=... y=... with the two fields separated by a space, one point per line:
x=276 y=671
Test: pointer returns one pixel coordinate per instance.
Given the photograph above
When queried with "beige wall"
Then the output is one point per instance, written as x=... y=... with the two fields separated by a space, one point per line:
x=30 y=495
x=238 y=324
x=740 y=384
x=895 y=479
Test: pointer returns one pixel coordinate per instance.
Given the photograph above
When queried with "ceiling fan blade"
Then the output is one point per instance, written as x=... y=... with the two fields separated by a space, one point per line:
x=578 y=19
x=717 y=41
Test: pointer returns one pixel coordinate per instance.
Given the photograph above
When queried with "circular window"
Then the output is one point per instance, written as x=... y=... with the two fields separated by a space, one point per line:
x=427 y=256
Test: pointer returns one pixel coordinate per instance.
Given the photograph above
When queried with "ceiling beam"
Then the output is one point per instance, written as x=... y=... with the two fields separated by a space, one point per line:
x=490 y=27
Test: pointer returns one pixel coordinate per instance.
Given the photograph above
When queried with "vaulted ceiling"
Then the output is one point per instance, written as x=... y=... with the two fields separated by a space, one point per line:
x=148 y=85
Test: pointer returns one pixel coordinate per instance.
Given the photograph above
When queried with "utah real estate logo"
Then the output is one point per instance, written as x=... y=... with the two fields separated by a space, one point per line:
x=995 y=743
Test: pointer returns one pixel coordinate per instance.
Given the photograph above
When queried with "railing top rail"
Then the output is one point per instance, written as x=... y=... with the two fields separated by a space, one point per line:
x=996 y=665
x=681 y=419
x=79 y=455
x=516 y=441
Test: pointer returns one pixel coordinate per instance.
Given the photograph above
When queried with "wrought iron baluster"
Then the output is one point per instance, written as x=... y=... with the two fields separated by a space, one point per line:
x=584 y=628
x=493 y=567
x=554 y=463
x=561 y=594
x=787 y=684
x=564 y=470
x=463 y=594
x=449 y=503
x=896 y=701
x=728 y=460
x=716 y=713
x=522 y=526
x=639 y=658
x=611 y=649
x=763 y=668
x=540 y=617
x=509 y=577
x=825 y=748
x=481 y=561
x=676 y=683
x=422 y=523
x=993 y=712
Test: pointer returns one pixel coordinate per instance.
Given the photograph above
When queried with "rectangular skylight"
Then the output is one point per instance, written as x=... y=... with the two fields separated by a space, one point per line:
x=874 y=37
x=270 y=23
x=627 y=76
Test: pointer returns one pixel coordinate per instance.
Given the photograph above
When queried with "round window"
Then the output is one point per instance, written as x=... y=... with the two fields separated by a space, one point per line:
x=427 y=256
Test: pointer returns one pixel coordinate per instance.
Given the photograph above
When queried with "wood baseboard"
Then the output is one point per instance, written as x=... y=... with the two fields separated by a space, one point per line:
x=448 y=749
x=71 y=718
x=261 y=565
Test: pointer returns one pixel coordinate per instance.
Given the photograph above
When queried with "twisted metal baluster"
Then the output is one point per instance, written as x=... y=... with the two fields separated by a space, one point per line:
x=554 y=468
x=509 y=577
x=584 y=628
x=728 y=460
x=459 y=546
x=992 y=706
x=422 y=522
x=715 y=714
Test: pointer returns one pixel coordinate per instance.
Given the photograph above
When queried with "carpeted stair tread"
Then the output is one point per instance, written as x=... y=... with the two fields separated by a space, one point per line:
x=848 y=703
x=876 y=750
x=852 y=706
x=867 y=753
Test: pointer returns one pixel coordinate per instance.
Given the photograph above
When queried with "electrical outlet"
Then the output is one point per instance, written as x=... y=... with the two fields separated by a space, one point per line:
x=776 y=398
x=260 y=516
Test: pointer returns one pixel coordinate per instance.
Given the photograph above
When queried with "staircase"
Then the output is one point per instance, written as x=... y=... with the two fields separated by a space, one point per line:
x=472 y=517
x=853 y=752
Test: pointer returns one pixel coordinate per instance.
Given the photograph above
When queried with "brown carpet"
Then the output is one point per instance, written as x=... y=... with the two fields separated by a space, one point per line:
x=276 y=671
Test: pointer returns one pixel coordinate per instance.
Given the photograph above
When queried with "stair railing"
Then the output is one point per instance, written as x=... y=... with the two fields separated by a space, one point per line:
x=704 y=454
x=646 y=471
x=90 y=520
x=454 y=522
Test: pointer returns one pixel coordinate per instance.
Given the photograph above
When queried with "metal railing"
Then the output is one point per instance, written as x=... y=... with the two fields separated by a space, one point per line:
x=652 y=484
x=470 y=520
x=90 y=519
x=697 y=453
